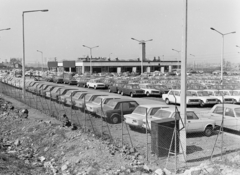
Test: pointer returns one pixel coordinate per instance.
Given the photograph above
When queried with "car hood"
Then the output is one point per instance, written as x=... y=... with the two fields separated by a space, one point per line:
x=135 y=116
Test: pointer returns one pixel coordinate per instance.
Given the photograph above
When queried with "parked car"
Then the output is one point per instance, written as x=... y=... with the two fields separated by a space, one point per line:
x=135 y=119
x=231 y=115
x=80 y=103
x=48 y=89
x=62 y=98
x=132 y=90
x=173 y=96
x=82 y=82
x=162 y=88
x=58 y=79
x=77 y=96
x=34 y=86
x=227 y=93
x=193 y=122
x=112 y=111
x=96 y=84
x=149 y=89
x=42 y=88
x=69 y=79
x=59 y=92
x=217 y=94
x=204 y=97
x=53 y=91
x=99 y=101
x=115 y=87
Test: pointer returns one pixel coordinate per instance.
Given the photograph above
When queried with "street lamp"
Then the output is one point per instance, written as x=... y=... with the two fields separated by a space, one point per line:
x=109 y=55
x=143 y=55
x=222 y=50
x=5 y=29
x=177 y=59
x=193 y=61
x=42 y=58
x=91 y=57
x=23 y=60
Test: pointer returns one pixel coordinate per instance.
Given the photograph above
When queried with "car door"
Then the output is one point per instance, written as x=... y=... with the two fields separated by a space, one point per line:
x=125 y=107
x=193 y=123
x=171 y=97
x=230 y=121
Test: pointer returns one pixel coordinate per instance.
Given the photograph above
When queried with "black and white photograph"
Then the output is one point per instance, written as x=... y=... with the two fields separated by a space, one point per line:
x=119 y=87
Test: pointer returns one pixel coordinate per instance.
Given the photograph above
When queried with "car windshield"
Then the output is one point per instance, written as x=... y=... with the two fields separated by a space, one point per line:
x=135 y=87
x=149 y=87
x=226 y=93
x=202 y=93
x=87 y=97
x=111 y=103
x=97 y=100
x=162 y=114
x=218 y=93
x=55 y=89
x=140 y=110
x=237 y=111
x=189 y=93
x=235 y=93
x=68 y=93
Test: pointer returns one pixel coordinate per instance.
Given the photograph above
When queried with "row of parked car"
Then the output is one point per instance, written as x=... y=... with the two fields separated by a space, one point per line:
x=114 y=109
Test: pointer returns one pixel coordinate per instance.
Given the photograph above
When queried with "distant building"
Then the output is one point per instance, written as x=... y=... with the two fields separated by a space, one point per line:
x=82 y=66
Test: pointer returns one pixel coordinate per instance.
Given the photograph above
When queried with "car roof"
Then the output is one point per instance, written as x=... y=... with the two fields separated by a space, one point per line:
x=123 y=100
x=109 y=96
x=228 y=105
x=153 y=105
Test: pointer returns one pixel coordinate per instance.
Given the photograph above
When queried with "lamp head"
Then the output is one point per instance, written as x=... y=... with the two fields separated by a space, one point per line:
x=8 y=29
x=212 y=28
x=46 y=10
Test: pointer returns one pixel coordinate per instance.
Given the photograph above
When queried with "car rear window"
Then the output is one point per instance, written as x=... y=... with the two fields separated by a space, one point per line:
x=218 y=110
x=140 y=110
x=162 y=114
x=237 y=111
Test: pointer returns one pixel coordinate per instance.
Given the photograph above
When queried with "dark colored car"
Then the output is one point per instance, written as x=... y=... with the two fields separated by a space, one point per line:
x=112 y=111
x=58 y=79
x=162 y=88
x=115 y=87
x=69 y=79
x=132 y=90
x=83 y=82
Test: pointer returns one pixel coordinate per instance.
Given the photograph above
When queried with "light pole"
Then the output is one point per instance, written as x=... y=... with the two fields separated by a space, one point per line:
x=222 y=50
x=42 y=58
x=23 y=60
x=193 y=61
x=90 y=48
x=178 y=59
x=5 y=29
x=109 y=55
x=143 y=55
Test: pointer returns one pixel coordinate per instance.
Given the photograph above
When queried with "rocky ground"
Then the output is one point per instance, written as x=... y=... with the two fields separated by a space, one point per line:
x=37 y=144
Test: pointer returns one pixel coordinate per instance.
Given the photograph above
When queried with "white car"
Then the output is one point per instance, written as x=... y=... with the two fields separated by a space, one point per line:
x=149 y=89
x=204 y=97
x=135 y=119
x=231 y=116
x=193 y=122
x=95 y=83
x=227 y=93
x=173 y=96
x=96 y=104
x=217 y=94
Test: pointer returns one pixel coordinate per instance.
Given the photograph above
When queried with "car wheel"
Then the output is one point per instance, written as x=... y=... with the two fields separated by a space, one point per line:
x=115 y=119
x=234 y=101
x=122 y=93
x=95 y=87
x=219 y=102
x=148 y=94
x=119 y=92
x=132 y=95
x=208 y=131
x=167 y=101
x=109 y=90
x=202 y=104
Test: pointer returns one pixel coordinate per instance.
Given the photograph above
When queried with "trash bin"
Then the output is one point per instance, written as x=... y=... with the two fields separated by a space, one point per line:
x=161 y=136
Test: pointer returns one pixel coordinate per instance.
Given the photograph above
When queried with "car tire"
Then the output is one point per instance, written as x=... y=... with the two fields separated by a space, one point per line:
x=219 y=102
x=202 y=104
x=115 y=118
x=208 y=131
x=167 y=101
x=88 y=87
x=122 y=94
x=234 y=101
x=148 y=94
x=109 y=90
x=119 y=92
x=132 y=95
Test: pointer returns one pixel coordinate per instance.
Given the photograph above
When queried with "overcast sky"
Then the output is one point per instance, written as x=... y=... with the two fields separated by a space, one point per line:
x=111 y=24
